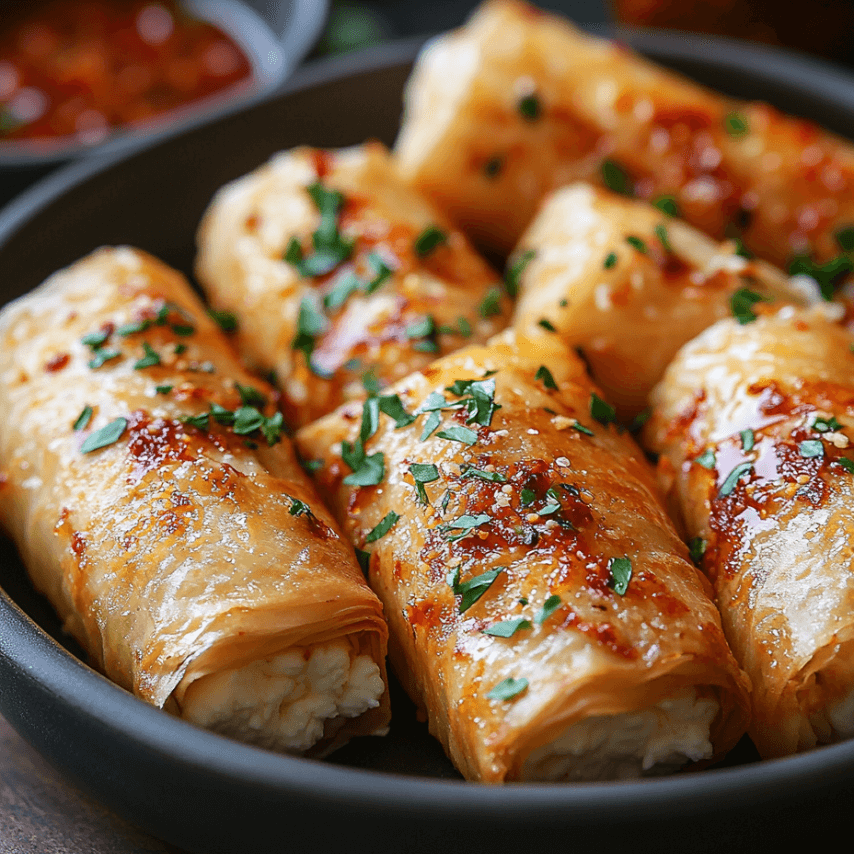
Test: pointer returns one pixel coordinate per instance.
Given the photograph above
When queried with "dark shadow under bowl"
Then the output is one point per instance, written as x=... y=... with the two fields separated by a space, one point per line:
x=208 y=794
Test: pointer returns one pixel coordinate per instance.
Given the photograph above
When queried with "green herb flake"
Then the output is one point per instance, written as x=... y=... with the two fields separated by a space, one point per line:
x=250 y=396
x=474 y=588
x=491 y=304
x=845 y=238
x=94 y=340
x=382 y=528
x=697 y=548
x=707 y=459
x=433 y=420
x=342 y=289
x=733 y=478
x=748 y=439
x=180 y=349
x=667 y=205
x=741 y=249
x=310 y=324
x=109 y=434
x=811 y=448
x=828 y=275
x=367 y=470
x=83 y=419
x=615 y=178
x=846 y=463
x=463 y=435
x=508 y=688
x=381 y=272
x=663 y=237
x=507 y=628
x=311 y=466
x=200 y=422
x=423 y=473
x=529 y=107
x=491 y=476
x=515 y=270
x=132 y=328
x=741 y=304
x=299 y=508
x=429 y=240
x=370 y=382
x=546 y=324
x=577 y=425
x=621 y=574
x=545 y=376
x=421 y=328
x=392 y=406
x=610 y=260
x=601 y=410
x=826 y=425
x=735 y=124
x=637 y=243
x=226 y=320
x=183 y=329
x=102 y=356
x=149 y=360
x=549 y=607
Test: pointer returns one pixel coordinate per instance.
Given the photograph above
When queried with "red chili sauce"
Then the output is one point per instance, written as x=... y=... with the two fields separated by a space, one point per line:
x=78 y=68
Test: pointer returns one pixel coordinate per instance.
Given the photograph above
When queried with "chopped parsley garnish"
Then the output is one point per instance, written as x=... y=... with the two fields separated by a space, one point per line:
x=330 y=247
x=370 y=419
x=382 y=528
x=529 y=107
x=828 y=275
x=180 y=348
x=109 y=434
x=474 y=588
x=250 y=396
x=310 y=324
x=149 y=360
x=615 y=178
x=101 y=356
x=183 y=329
x=747 y=439
x=621 y=574
x=826 y=425
x=463 y=328
x=381 y=272
x=741 y=304
x=664 y=239
x=132 y=328
x=513 y=275
x=367 y=470
x=226 y=320
x=707 y=459
x=697 y=548
x=639 y=420
x=299 y=508
x=96 y=339
x=423 y=473
x=601 y=410
x=425 y=330
x=491 y=304
x=545 y=375
x=610 y=260
x=433 y=420
x=636 y=242
x=845 y=238
x=370 y=382
x=846 y=463
x=549 y=607
x=491 y=476
x=83 y=419
x=429 y=239
x=667 y=204
x=345 y=286
x=201 y=421
x=735 y=124
x=741 y=249
x=311 y=465
x=463 y=525
x=811 y=448
x=546 y=324
x=577 y=425
x=459 y=434
x=392 y=406
x=733 y=478
x=507 y=628
x=527 y=496
x=508 y=688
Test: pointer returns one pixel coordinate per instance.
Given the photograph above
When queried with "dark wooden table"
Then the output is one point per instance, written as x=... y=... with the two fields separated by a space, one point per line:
x=41 y=813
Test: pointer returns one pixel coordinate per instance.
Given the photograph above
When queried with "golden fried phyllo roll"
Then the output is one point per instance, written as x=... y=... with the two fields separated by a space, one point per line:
x=541 y=607
x=156 y=503
x=336 y=270
x=754 y=422
x=517 y=103
x=628 y=286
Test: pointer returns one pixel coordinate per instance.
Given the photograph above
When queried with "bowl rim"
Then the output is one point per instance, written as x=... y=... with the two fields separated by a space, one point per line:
x=272 y=58
x=28 y=653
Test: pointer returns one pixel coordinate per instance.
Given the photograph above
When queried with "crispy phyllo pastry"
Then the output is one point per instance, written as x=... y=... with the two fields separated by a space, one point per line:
x=341 y=277
x=542 y=609
x=157 y=504
x=518 y=103
x=628 y=286
x=755 y=424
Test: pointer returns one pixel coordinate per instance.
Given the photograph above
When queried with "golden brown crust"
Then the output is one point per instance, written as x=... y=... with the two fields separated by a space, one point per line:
x=753 y=421
x=549 y=510
x=179 y=548
x=783 y=183
x=427 y=302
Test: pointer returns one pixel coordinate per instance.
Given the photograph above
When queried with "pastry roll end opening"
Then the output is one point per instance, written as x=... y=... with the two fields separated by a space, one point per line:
x=658 y=739
x=295 y=701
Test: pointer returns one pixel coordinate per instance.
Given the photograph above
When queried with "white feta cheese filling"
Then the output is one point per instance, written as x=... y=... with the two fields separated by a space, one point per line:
x=285 y=702
x=652 y=741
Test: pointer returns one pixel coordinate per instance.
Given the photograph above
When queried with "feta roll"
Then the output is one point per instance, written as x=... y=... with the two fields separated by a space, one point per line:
x=339 y=274
x=542 y=609
x=155 y=501
x=755 y=423
x=517 y=103
x=628 y=286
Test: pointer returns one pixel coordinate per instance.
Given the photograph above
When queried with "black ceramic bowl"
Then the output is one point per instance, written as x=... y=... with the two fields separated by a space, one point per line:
x=208 y=794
